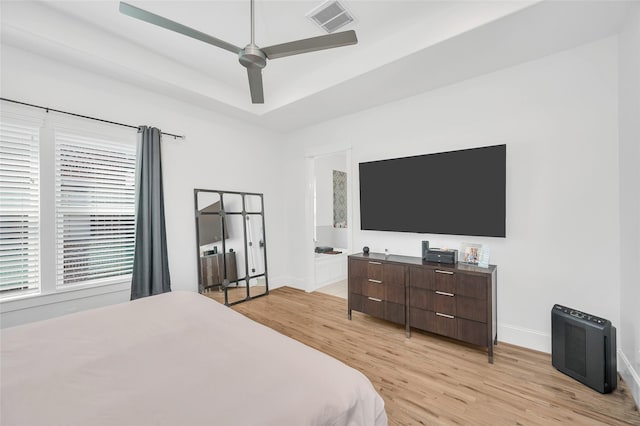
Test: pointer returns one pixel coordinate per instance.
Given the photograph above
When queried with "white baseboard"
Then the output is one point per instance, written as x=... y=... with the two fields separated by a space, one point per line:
x=527 y=338
x=326 y=283
x=297 y=283
x=629 y=375
x=300 y=283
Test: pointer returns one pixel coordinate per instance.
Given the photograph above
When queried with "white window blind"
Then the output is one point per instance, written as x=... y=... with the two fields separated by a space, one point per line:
x=95 y=209
x=19 y=209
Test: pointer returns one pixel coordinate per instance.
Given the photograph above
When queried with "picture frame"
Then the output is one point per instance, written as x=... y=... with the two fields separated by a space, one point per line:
x=471 y=253
x=483 y=260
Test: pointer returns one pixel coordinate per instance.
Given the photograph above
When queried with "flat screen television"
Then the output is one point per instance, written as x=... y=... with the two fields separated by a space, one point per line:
x=210 y=225
x=456 y=192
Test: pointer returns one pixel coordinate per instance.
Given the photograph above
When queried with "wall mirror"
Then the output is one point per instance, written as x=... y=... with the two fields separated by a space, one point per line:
x=231 y=243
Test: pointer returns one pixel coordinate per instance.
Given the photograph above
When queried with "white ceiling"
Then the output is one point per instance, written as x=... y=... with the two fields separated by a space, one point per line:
x=404 y=48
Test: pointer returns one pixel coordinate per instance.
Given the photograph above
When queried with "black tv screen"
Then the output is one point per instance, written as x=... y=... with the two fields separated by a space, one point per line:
x=456 y=192
x=210 y=225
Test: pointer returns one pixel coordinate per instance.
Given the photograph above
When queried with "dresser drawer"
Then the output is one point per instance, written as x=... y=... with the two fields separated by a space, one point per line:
x=444 y=302
x=357 y=276
x=419 y=318
x=372 y=289
x=374 y=270
x=469 y=331
x=421 y=298
x=394 y=312
x=393 y=274
x=473 y=309
x=448 y=303
x=433 y=300
x=433 y=279
x=435 y=322
x=366 y=304
x=394 y=293
x=472 y=286
x=377 y=289
x=472 y=332
x=378 y=308
x=421 y=278
x=444 y=281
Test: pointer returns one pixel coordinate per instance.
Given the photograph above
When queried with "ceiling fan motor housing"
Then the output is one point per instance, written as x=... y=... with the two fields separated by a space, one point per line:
x=252 y=57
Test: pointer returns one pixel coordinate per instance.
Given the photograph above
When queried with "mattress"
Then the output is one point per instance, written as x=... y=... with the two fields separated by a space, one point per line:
x=178 y=358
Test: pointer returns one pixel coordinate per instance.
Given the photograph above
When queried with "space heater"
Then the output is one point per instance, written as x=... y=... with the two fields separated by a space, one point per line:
x=583 y=346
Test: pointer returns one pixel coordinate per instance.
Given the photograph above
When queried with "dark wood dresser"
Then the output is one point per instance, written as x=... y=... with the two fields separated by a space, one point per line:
x=457 y=301
x=212 y=269
x=377 y=288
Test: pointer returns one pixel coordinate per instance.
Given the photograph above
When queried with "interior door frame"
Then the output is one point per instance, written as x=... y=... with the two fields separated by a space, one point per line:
x=310 y=159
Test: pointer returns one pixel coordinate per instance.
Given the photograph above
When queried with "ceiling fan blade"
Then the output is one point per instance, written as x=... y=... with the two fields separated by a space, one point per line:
x=255 y=84
x=312 y=44
x=154 y=19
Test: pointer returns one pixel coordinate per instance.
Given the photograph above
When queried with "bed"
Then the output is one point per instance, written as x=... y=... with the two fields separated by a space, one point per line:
x=178 y=358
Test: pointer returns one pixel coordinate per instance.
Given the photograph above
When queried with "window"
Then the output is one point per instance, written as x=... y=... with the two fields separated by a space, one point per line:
x=67 y=205
x=95 y=209
x=19 y=208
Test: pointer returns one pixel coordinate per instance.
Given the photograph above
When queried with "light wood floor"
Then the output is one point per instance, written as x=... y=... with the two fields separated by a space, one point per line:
x=427 y=380
x=340 y=289
x=234 y=293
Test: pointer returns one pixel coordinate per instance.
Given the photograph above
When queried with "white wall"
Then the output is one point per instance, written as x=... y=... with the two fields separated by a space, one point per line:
x=629 y=68
x=218 y=153
x=558 y=117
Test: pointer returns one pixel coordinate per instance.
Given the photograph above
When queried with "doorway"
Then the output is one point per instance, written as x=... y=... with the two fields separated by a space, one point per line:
x=330 y=221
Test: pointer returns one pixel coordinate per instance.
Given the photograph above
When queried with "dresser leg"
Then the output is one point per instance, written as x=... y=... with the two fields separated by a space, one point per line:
x=491 y=353
x=349 y=315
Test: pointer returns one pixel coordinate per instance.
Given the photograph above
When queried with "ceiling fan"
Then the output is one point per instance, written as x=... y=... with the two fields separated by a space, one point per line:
x=252 y=57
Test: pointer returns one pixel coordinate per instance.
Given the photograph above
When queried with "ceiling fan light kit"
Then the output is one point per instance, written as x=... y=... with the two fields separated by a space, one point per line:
x=252 y=57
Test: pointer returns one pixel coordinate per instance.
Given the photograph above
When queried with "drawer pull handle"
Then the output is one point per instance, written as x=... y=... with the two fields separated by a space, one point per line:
x=444 y=272
x=375 y=281
x=442 y=293
x=375 y=263
x=445 y=315
x=373 y=299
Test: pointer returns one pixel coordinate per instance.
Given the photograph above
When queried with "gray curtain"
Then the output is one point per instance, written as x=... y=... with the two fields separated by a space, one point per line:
x=150 y=263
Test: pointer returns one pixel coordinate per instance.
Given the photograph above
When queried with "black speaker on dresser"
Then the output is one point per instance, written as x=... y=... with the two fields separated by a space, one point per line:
x=583 y=346
x=425 y=249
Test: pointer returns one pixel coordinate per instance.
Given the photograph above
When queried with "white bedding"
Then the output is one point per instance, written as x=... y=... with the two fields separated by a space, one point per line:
x=178 y=358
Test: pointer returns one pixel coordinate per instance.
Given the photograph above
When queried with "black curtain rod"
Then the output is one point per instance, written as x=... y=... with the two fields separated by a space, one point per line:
x=84 y=116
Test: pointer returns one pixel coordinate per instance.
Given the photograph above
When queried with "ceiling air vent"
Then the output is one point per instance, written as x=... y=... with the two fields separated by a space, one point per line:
x=330 y=15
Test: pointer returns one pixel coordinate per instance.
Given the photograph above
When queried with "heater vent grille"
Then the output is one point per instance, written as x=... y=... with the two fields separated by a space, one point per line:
x=331 y=15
